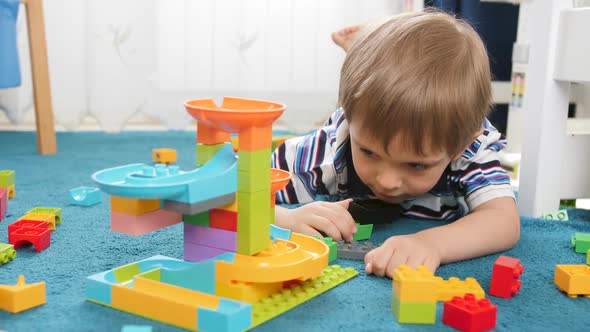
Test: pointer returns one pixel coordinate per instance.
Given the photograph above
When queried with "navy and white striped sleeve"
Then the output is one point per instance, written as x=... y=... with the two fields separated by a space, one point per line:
x=483 y=178
x=310 y=159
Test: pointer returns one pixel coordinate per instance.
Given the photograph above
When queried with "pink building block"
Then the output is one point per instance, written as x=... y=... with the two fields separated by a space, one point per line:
x=197 y=252
x=210 y=237
x=145 y=223
x=3 y=202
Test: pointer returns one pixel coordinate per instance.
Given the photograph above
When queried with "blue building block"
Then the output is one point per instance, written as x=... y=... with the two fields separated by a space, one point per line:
x=136 y=328
x=230 y=316
x=279 y=233
x=85 y=196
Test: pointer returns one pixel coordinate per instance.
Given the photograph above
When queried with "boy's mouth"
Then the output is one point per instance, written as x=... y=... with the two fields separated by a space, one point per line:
x=389 y=198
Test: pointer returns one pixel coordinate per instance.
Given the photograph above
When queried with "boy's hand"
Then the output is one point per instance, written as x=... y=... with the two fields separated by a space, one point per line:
x=330 y=218
x=398 y=250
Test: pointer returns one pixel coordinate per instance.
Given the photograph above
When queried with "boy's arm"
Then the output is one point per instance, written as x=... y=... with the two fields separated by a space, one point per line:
x=491 y=227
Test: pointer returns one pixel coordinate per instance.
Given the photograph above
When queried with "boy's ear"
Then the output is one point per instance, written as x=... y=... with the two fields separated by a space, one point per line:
x=477 y=133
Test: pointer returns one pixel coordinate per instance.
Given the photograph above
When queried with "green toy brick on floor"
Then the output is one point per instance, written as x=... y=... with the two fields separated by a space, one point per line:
x=6 y=178
x=54 y=211
x=581 y=242
x=413 y=312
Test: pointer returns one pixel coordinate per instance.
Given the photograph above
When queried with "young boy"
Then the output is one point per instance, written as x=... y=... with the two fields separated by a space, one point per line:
x=412 y=129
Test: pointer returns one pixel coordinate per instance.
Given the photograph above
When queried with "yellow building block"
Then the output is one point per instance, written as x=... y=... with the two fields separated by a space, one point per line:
x=134 y=206
x=22 y=296
x=414 y=285
x=574 y=280
x=164 y=156
x=49 y=218
x=163 y=302
x=11 y=192
x=447 y=289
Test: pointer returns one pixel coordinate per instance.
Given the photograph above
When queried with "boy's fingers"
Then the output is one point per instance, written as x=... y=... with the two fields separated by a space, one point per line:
x=311 y=232
x=324 y=225
x=431 y=264
x=415 y=261
x=340 y=216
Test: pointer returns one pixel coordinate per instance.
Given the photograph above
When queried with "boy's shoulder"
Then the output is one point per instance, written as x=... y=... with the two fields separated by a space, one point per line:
x=483 y=149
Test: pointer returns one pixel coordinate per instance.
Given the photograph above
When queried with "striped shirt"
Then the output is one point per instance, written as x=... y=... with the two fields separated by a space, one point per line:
x=321 y=164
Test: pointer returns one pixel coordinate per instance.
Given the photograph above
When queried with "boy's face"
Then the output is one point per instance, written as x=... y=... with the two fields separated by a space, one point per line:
x=397 y=174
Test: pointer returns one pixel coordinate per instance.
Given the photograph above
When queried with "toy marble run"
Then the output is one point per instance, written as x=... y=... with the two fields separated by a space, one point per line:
x=239 y=270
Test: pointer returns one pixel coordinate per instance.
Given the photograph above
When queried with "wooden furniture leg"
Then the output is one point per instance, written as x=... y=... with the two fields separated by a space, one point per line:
x=46 y=142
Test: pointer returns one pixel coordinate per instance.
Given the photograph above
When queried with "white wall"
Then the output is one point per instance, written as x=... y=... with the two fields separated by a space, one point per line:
x=116 y=60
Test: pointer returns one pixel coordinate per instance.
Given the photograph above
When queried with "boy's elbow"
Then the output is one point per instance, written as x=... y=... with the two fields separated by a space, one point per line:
x=513 y=220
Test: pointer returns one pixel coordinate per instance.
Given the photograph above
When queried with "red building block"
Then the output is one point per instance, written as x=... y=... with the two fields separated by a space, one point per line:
x=223 y=219
x=469 y=314
x=27 y=223
x=505 y=282
x=3 y=202
x=39 y=237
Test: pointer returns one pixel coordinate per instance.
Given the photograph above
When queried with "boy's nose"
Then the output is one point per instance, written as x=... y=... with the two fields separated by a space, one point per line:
x=389 y=182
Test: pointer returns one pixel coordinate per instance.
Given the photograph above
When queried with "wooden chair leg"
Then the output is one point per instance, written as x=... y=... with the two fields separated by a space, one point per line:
x=46 y=142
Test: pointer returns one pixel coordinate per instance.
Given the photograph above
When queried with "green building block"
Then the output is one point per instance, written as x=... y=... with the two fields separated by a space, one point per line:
x=581 y=242
x=413 y=312
x=254 y=219
x=588 y=257
x=47 y=210
x=363 y=232
x=201 y=219
x=560 y=215
x=276 y=304
x=333 y=245
x=250 y=160
x=7 y=253
x=6 y=178
x=254 y=180
x=126 y=272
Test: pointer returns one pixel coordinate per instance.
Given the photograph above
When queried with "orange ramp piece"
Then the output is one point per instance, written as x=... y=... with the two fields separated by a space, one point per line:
x=22 y=296
x=301 y=258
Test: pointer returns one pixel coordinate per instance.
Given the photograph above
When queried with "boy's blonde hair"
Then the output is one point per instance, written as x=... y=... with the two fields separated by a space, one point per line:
x=420 y=77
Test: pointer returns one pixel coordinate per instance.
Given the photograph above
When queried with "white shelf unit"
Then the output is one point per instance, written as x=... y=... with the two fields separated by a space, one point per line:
x=554 y=162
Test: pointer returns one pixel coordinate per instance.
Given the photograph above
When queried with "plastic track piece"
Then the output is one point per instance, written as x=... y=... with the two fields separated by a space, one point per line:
x=354 y=250
x=289 y=298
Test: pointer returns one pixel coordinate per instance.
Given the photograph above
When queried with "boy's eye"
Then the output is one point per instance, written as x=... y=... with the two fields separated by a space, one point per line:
x=366 y=152
x=418 y=167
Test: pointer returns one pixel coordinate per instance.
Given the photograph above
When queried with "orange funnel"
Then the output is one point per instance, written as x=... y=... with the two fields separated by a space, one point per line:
x=234 y=114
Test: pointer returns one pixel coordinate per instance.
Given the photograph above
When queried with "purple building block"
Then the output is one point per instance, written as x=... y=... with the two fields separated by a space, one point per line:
x=196 y=252
x=210 y=237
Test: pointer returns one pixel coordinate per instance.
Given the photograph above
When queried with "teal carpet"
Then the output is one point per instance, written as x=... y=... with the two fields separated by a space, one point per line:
x=83 y=245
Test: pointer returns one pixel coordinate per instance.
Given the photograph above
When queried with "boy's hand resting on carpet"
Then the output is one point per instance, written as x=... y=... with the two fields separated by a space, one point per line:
x=330 y=218
x=398 y=250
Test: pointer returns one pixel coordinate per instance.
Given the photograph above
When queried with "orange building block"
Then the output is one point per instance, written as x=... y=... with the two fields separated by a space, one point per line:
x=134 y=206
x=255 y=138
x=210 y=135
x=48 y=218
x=164 y=155
x=574 y=280
x=22 y=296
x=223 y=219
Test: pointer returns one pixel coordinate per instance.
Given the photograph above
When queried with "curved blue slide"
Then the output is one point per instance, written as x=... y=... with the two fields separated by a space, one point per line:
x=216 y=178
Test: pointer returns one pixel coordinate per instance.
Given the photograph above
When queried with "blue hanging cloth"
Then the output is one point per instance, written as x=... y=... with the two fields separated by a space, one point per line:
x=9 y=65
